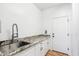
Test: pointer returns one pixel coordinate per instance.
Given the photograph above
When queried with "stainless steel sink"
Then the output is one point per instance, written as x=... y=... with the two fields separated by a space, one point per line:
x=21 y=43
x=10 y=47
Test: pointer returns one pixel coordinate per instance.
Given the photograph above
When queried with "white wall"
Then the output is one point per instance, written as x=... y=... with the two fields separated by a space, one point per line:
x=27 y=17
x=57 y=11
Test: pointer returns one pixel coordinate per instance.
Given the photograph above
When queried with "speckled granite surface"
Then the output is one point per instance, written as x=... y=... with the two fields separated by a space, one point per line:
x=33 y=40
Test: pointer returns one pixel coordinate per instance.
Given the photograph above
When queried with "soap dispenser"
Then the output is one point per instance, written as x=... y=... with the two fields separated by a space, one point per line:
x=45 y=31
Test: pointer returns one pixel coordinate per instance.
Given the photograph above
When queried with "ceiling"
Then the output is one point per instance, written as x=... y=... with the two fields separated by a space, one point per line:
x=43 y=6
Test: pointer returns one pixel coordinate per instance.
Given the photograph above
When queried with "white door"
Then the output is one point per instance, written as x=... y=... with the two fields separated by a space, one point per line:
x=60 y=34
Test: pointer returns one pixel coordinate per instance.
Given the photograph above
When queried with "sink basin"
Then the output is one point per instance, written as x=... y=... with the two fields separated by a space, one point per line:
x=8 y=48
x=21 y=43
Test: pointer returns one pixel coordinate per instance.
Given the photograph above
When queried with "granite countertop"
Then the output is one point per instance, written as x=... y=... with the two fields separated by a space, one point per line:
x=32 y=40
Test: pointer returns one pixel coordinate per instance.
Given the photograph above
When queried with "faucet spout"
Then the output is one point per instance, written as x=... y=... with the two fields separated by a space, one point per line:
x=14 y=35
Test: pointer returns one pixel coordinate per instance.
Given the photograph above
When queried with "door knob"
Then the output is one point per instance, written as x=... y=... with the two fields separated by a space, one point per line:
x=53 y=36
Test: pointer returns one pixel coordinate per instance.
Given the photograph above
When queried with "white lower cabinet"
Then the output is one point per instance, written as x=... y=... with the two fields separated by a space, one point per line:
x=31 y=52
x=44 y=47
x=50 y=43
x=27 y=52
x=39 y=49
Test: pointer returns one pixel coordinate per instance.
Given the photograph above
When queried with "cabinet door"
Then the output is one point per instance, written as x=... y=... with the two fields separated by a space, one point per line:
x=37 y=50
x=31 y=52
x=43 y=47
x=28 y=52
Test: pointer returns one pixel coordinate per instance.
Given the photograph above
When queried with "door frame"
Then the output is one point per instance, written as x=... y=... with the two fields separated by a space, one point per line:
x=68 y=30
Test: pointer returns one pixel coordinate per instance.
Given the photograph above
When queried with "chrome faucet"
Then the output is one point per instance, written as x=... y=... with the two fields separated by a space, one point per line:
x=14 y=35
